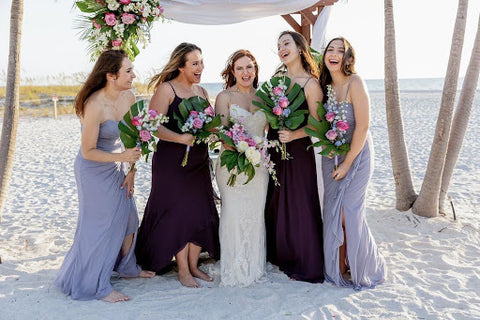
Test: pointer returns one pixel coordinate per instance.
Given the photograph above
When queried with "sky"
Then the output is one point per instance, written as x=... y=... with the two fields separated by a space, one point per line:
x=51 y=43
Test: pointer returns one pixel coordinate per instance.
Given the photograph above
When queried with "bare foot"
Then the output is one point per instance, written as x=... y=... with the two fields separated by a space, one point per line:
x=147 y=274
x=187 y=280
x=347 y=276
x=116 y=296
x=197 y=273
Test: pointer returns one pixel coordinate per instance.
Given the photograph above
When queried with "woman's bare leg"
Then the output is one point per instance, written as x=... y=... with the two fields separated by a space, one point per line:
x=184 y=275
x=343 y=248
x=193 y=255
x=126 y=246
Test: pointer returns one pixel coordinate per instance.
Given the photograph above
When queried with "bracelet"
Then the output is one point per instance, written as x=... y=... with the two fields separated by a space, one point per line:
x=132 y=168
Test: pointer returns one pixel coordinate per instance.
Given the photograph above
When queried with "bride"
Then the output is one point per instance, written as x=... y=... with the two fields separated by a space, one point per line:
x=242 y=224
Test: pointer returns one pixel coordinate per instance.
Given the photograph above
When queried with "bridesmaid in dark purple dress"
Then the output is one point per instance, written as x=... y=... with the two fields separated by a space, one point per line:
x=293 y=218
x=180 y=217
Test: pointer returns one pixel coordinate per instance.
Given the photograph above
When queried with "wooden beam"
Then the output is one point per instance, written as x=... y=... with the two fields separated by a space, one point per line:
x=292 y=22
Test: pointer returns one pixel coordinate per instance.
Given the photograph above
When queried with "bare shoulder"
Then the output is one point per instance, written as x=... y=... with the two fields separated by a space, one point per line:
x=223 y=96
x=357 y=83
x=200 y=91
x=94 y=107
x=128 y=96
x=312 y=88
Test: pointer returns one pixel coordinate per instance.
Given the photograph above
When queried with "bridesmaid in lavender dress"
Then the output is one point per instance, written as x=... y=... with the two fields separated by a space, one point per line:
x=292 y=213
x=107 y=220
x=351 y=255
x=180 y=218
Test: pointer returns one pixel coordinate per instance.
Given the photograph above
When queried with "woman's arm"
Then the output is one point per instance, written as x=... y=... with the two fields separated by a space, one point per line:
x=160 y=101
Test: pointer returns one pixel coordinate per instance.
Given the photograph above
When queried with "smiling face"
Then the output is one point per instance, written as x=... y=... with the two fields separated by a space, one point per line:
x=244 y=71
x=287 y=49
x=124 y=77
x=193 y=68
x=334 y=55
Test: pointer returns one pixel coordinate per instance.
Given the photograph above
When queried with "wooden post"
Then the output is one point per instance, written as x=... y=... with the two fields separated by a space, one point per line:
x=54 y=99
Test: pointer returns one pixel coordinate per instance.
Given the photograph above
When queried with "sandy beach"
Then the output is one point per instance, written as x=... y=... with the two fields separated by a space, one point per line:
x=433 y=264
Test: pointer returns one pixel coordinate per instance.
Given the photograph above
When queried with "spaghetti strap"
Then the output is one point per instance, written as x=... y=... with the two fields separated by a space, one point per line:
x=204 y=93
x=171 y=85
x=306 y=82
x=348 y=88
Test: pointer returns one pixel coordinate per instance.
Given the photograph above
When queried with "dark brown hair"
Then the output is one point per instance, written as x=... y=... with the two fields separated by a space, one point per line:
x=308 y=62
x=347 y=67
x=178 y=58
x=227 y=73
x=110 y=61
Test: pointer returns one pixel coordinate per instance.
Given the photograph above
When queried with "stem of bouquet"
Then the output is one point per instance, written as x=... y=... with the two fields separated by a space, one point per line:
x=185 y=157
x=336 y=162
x=283 y=149
x=232 y=179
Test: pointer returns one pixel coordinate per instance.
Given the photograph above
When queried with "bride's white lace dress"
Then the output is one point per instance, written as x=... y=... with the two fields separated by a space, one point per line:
x=242 y=222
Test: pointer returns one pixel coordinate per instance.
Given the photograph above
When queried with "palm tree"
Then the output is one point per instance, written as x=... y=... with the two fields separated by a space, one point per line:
x=461 y=118
x=405 y=192
x=10 y=119
x=427 y=202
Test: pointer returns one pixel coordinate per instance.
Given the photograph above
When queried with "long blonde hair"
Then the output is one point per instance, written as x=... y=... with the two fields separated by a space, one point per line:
x=178 y=58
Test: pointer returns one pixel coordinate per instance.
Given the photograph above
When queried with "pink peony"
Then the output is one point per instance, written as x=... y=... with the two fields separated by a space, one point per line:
x=137 y=121
x=209 y=111
x=342 y=125
x=110 y=19
x=145 y=135
x=331 y=135
x=277 y=91
x=283 y=102
x=128 y=18
x=152 y=114
x=194 y=113
x=251 y=142
x=277 y=110
x=117 y=42
x=197 y=123
x=124 y=1
x=96 y=25
x=330 y=116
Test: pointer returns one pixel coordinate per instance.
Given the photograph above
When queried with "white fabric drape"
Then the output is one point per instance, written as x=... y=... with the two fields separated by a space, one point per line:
x=229 y=11
x=320 y=28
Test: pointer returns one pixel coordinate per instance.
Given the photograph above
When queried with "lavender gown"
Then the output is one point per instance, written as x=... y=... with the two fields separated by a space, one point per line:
x=367 y=266
x=105 y=218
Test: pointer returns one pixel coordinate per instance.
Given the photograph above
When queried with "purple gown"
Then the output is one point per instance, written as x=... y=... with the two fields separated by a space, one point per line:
x=292 y=214
x=180 y=208
x=105 y=218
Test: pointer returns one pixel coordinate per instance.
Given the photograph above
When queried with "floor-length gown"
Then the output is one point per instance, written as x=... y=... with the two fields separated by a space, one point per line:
x=367 y=266
x=242 y=222
x=292 y=214
x=106 y=216
x=180 y=208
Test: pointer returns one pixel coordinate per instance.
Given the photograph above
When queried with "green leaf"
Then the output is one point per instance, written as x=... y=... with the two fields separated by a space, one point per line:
x=295 y=104
x=226 y=139
x=128 y=141
x=242 y=162
x=250 y=172
x=216 y=121
x=265 y=98
x=312 y=133
x=292 y=94
x=272 y=120
x=185 y=107
x=294 y=122
x=127 y=129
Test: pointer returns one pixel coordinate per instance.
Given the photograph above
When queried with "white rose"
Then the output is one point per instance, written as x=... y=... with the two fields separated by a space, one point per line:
x=253 y=155
x=242 y=146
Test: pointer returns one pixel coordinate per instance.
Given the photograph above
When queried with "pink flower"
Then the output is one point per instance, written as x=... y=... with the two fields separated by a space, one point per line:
x=145 y=135
x=342 y=125
x=229 y=133
x=277 y=110
x=251 y=142
x=277 y=91
x=209 y=111
x=152 y=113
x=124 y=1
x=128 y=18
x=194 y=113
x=117 y=42
x=331 y=135
x=197 y=123
x=160 y=9
x=329 y=116
x=96 y=25
x=110 y=19
x=137 y=121
x=283 y=102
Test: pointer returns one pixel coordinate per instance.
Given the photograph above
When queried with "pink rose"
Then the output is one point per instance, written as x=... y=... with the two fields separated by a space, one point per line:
x=251 y=142
x=277 y=91
x=160 y=9
x=145 y=135
x=283 y=102
x=117 y=42
x=209 y=111
x=152 y=113
x=137 y=121
x=277 y=110
x=329 y=116
x=128 y=18
x=197 y=123
x=110 y=19
x=331 y=135
x=194 y=113
x=96 y=25
x=124 y=1
x=342 y=125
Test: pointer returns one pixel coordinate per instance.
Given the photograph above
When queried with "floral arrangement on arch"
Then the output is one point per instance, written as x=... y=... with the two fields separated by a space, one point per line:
x=118 y=24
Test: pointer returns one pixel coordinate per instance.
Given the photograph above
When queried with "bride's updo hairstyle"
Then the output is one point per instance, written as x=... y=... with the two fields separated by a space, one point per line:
x=227 y=73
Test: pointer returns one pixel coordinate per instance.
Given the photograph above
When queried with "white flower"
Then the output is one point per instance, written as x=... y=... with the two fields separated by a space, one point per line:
x=242 y=146
x=113 y=5
x=253 y=155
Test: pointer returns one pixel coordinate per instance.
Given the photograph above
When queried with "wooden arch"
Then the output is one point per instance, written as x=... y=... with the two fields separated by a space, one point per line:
x=308 y=17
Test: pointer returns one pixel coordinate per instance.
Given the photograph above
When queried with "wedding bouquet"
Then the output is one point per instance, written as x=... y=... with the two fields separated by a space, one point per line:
x=118 y=24
x=197 y=117
x=280 y=107
x=248 y=152
x=139 y=127
x=331 y=128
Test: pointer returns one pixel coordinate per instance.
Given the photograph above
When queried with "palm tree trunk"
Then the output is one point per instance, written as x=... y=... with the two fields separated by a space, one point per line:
x=405 y=192
x=461 y=118
x=10 y=119
x=427 y=202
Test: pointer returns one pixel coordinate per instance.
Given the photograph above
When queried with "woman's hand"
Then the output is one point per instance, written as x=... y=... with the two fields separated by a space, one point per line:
x=341 y=171
x=131 y=155
x=188 y=139
x=286 y=135
x=129 y=183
